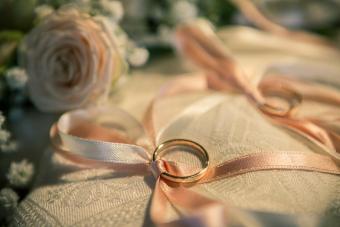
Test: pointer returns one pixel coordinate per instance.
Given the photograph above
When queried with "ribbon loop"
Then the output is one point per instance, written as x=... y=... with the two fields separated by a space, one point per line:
x=94 y=134
x=222 y=72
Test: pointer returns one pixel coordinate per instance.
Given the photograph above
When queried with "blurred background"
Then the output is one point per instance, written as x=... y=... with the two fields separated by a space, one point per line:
x=147 y=18
x=149 y=23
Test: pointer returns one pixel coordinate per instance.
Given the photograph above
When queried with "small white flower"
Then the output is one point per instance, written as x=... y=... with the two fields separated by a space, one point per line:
x=114 y=9
x=4 y=136
x=9 y=147
x=182 y=11
x=20 y=173
x=138 y=57
x=16 y=78
x=165 y=34
x=6 y=145
x=43 y=11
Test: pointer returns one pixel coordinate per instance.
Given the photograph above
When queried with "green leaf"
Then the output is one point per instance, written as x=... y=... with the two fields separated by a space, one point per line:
x=2 y=69
x=10 y=36
x=8 y=43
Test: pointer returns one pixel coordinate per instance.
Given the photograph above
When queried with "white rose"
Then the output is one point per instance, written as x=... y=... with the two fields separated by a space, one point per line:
x=71 y=60
x=112 y=8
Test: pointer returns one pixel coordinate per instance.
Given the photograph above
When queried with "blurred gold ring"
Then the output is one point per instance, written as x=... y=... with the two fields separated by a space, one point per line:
x=291 y=97
x=188 y=143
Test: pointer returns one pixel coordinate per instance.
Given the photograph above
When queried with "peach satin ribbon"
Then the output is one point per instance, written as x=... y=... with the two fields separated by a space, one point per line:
x=222 y=73
x=250 y=11
x=111 y=138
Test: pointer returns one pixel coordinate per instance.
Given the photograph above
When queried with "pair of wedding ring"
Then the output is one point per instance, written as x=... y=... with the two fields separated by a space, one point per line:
x=292 y=98
x=193 y=146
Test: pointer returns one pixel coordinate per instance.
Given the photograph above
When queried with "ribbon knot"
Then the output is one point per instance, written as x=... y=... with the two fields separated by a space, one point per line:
x=79 y=144
x=157 y=167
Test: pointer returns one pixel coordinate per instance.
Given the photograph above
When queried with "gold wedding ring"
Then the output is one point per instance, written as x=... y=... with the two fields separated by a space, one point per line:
x=189 y=144
x=292 y=98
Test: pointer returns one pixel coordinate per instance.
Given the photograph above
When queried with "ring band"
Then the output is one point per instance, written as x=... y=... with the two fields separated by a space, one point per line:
x=188 y=143
x=292 y=98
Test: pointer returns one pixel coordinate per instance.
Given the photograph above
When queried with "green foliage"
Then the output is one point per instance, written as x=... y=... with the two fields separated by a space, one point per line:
x=8 y=43
x=219 y=12
x=17 y=14
x=54 y=3
x=10 y=36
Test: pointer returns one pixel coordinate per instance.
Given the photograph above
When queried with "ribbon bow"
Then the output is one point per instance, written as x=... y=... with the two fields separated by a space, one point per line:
x=112 y=138
x=200 y=44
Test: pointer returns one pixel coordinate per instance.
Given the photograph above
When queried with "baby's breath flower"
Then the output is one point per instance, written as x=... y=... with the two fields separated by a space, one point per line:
x=183 y=11
x=138 y=56
x=4 y=136
x=113 y=9
x=16 y=78
x=6 y=145
x=43 y=11
x=165 y=33
x=9 y=147
x=20 y=173
x=8 y=202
